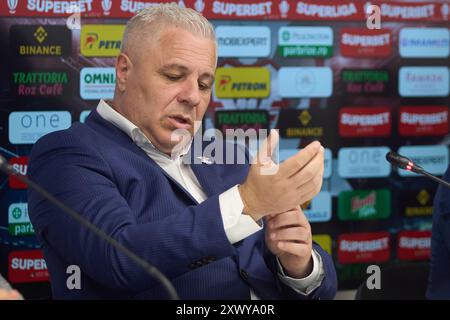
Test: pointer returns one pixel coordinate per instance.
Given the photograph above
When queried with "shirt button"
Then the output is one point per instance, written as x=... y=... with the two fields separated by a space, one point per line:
x=244 y=274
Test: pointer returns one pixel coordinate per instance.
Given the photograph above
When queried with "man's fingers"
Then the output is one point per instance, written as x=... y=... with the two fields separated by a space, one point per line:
x=298 y=249
x=295 y=163
x=314 y=169
x=297 y=234
x=267 y=147
x=289 y=218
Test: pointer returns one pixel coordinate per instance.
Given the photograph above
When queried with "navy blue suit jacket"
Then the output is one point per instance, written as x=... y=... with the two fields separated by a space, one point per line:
x=439 y=278
x=97 y=170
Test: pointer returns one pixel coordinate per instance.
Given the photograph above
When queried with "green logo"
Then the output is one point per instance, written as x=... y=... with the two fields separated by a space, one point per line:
x=16 y=213
x=364 y=205
x=286 y=35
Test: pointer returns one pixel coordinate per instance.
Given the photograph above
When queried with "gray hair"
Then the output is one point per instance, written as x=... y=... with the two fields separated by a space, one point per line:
x=147 y=21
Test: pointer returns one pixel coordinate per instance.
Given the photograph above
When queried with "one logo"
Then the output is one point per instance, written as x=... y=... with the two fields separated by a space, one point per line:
x=424 y=42
x=364 y=247
x=414 y=245
x=365 y=122
x=106 y=6
x=363 y=162
x=20 y=165
x=27 y=266
x=101 y=40
x=423 y=121
x=12 y=5
x=243 y=41
x=364 y=204
x=423 y=81
x=26 y=127
x=360 y=43
x=242 y=82
x=299 y=82
x=284 y=8
x=433 y=159
x=305 y=42
x=199 y=5
x=97 y=83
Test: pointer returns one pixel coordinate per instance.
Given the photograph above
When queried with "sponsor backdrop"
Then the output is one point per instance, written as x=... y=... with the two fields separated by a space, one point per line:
x=309 y=68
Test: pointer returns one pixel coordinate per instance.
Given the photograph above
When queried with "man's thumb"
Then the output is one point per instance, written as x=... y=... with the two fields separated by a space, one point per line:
x=268 y=146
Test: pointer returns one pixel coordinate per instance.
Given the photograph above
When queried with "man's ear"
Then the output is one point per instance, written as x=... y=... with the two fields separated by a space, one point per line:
x=123 y=68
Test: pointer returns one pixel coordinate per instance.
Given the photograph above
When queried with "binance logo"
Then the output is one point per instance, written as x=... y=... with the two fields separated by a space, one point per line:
x=423 y=197
x=305 y=117
x=40 y=34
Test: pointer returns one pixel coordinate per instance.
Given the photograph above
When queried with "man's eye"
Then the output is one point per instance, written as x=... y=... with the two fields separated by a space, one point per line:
x=204 y=86
x=173 y=77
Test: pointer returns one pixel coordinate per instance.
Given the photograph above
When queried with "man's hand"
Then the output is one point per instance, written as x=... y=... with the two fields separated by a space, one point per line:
x=297 y=180
x=10 y=295
x=288 y=236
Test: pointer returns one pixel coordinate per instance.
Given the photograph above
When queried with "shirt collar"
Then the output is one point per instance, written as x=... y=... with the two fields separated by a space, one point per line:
x=109 y=114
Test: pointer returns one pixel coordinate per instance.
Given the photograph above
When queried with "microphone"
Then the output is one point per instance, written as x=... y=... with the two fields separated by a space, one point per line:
x=149 y=269
x=407 y=164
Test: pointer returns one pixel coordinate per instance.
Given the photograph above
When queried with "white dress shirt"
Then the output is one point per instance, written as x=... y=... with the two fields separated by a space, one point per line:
x=237 y=225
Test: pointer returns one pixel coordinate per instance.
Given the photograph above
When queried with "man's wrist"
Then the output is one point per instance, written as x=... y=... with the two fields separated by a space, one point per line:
x=247 y=209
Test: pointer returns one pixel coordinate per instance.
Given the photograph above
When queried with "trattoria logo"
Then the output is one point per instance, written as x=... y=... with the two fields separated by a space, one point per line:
x=242 y=119
x=363 y=43
x=40 y=40
x=42 y=84
x=365 y=81
x=242 y=82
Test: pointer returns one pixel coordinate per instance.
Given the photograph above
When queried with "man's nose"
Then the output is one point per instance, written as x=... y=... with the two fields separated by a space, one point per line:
x=190 y=93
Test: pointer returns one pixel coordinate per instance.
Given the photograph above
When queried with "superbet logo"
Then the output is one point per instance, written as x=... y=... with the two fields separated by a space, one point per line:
x=20 y=165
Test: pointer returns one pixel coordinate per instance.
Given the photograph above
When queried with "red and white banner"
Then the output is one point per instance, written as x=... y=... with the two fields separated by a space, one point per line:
x=360 y=42
x=365 y=122
x=423 y=121
x=234 y=9
x=414 y=245
x=364 y=247
x=27 y=266
x=20 y=165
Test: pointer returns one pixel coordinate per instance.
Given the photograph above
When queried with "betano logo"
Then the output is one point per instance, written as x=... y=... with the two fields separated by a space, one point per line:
x=101 y=40
x=245 y=82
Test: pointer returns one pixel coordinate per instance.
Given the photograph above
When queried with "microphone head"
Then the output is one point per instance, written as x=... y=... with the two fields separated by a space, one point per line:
x=402 y=162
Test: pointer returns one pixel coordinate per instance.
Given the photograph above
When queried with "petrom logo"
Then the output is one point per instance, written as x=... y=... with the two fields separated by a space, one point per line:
x=242 y=82
x=18 y=220
x=101 y=40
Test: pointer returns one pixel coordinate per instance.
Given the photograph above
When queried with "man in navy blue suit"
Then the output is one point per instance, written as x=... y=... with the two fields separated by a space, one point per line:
x=217 y=231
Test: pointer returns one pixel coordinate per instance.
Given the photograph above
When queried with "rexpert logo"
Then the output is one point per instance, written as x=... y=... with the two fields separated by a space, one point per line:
x=97 y=83
x=423 y=81
x=433 y=159
x=364 y=247
x=27 y=266
x=363 y=162
x=20 y=165
x=365 y=122
x=424 y=42
x=243 y=41
x=363 y=43
x=319 y=210
x=101 y=40
x=423 y=121
x=243 y=82
x=305 y=82
x=414 y=245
